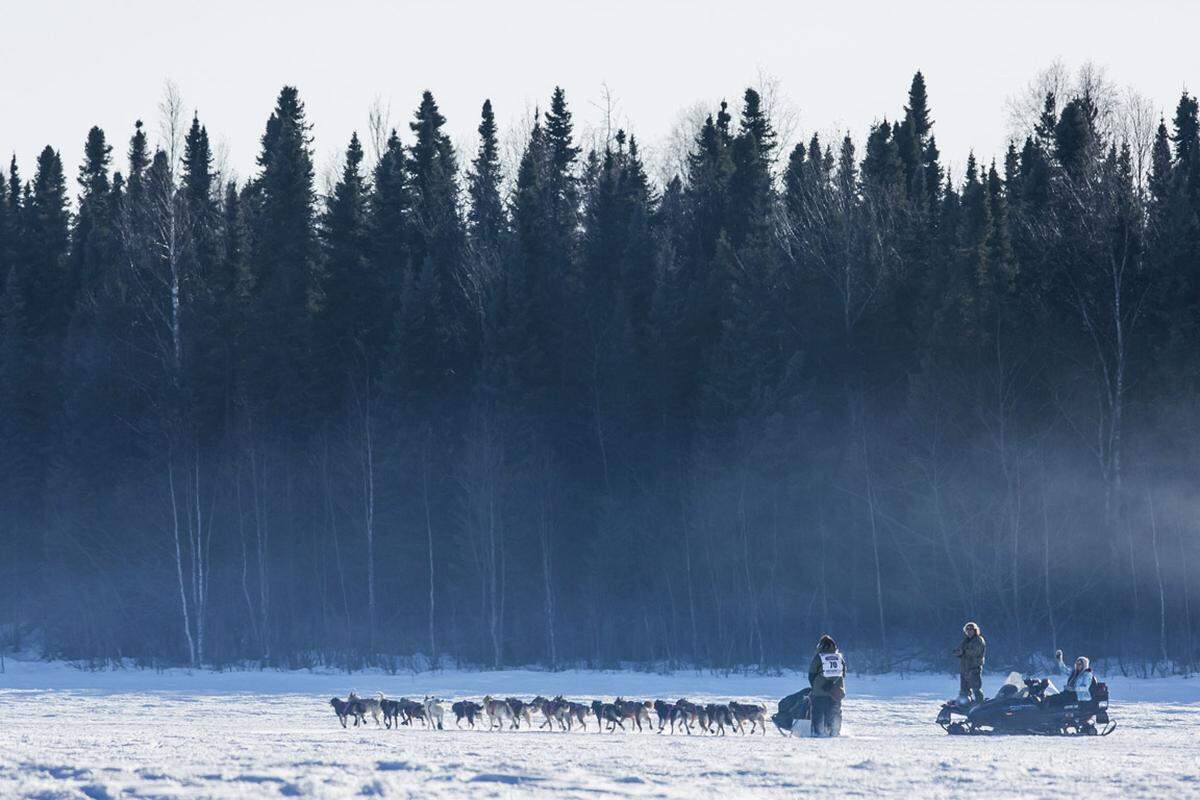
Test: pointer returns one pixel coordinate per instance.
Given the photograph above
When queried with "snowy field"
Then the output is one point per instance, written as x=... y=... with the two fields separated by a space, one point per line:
x=134 y=734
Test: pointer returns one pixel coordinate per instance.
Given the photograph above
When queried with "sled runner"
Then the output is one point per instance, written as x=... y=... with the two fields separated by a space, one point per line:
x=1024 y=706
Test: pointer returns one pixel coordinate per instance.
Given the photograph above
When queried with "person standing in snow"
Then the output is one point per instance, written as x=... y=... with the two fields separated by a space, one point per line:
x=971 y=655
x=827 y=676
x=1081 y=679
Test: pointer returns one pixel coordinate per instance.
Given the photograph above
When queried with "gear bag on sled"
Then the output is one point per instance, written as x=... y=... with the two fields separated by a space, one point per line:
x=793 y=708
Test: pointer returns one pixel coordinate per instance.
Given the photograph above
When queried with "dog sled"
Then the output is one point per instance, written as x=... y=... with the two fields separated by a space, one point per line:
x=794 y=714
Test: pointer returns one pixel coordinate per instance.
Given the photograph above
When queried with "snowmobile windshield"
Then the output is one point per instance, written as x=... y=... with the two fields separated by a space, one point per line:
x=1013 y=686
x=1016 y=687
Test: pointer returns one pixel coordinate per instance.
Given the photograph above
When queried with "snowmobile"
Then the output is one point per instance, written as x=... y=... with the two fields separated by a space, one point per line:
x=792 y=709
x=1031 y=706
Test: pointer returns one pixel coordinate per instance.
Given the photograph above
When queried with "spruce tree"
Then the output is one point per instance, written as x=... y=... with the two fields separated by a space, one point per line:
x=934 y=177
x=10 y=196
x=139 y=160
x=529 y=289
x=388 y=212
x=8 y=230
x=282 y=259
x=752 y=154
x=639 y=202
x=846 y=176
x=560 y=185
x=198 y=175
x=1158 y=183
x=486 y=220
x=94 y=236
x=918 y=107
x=15 y=247
x=233 y=245
x=709 y=168
x=93 y=173
x=1186 y=134
x=353 y=327
x=433 y=170
x=206 y=286
x=816 y=157
x=1043 y=130
x=229 y=281
x=436 y=329
x=561 y=152
x=284 y=241
x=999 y=244
x=1076 y=139
x=48 y=300
x=909 y=148
x=794 y=178
x=199 y=191
x=529 y=212
x=882 y=168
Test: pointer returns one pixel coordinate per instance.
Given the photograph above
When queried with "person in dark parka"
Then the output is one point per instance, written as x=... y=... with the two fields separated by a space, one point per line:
x=827 y=676
x=971 y=653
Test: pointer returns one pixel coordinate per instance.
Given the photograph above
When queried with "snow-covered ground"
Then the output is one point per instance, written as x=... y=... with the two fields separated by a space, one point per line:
x=66 y=733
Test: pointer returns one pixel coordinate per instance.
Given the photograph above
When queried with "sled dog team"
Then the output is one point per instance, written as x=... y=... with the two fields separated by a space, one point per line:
x=560 y=713
x=820 y=705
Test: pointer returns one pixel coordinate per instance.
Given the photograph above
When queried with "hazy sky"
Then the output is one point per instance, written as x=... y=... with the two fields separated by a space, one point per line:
x=70 y=64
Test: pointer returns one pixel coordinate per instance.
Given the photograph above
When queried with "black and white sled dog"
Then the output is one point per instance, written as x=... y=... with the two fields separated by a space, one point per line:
x=468 y=710
x=411 y=710
x=606 y=712
x=348 y=709
x=666 y=713
x=393 y=713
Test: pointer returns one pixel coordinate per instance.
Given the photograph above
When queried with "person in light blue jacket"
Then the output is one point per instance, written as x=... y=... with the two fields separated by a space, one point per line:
x=1081 y=680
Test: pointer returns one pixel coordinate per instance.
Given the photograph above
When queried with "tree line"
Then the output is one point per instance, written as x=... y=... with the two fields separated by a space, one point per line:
x=561 y=413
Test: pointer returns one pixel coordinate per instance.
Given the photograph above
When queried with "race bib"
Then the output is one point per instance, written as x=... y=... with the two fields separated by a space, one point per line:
x=832 y=665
